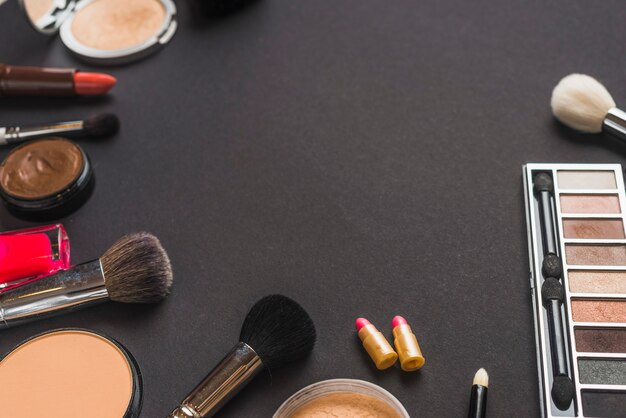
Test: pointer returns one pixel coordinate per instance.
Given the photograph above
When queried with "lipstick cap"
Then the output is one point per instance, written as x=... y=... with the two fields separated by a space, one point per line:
x=409 y=351
x=377 y=346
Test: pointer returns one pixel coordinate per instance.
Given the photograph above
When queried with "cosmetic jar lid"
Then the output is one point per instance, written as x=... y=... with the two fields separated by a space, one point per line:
x=44 y=358
x=59 y=17
x=46 y=179
x=337 y=386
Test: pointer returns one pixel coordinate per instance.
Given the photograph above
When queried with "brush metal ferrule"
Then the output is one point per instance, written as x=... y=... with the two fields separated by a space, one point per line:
x=77 y=287
x=221 y=384
x=16 y=134
x=615 y=123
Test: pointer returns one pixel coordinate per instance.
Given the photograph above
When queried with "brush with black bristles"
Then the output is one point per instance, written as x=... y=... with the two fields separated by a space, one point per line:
x=96 y=126
x=136 y=269
x=583 y=103
x=276 y=331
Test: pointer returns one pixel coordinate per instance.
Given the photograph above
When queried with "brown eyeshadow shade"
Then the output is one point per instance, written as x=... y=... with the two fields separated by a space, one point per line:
x=41 y=168
x=593 y=228
x=581 y=281
x=577 y=203
x=600 y=340
x=595 y=255
x=598 y=311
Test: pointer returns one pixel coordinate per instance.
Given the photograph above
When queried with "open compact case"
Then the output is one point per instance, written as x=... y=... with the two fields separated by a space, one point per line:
x=105 y=31
x=576 y=217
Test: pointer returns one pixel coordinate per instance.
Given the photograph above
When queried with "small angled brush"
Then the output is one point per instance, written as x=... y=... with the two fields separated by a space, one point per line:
x=275 y=332
x=136 y=269
x=100 y=125
x=583 y=103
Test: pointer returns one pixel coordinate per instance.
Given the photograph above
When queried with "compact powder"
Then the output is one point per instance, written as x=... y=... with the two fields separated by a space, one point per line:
x=117 y=24
x=574 y=203
x=37 y=9
x=41 y=168
x=602 y=255
x=583 y=281
x=593 y=228
x=345 y=405
x=610 y=340
x=66 y=374
x=586 y=179
x=598 y=311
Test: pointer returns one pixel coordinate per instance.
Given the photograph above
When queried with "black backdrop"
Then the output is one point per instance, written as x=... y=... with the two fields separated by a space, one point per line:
x=361 y=157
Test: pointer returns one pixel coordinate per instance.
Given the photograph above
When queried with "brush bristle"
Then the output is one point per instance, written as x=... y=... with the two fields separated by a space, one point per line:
x=279 y=330
x=103 y=124
x=481 y=378
x=137 y=269
x=581 y=102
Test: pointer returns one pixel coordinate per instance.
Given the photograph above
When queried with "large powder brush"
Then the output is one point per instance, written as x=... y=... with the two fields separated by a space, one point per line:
x=136 y=269
x=276 y=331
x=583 y=103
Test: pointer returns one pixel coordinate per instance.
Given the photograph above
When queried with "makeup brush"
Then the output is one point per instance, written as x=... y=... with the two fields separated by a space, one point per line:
x=276 y=331
x=478 y=399
x=100 y=125
x=582 y=103
x=136 y=269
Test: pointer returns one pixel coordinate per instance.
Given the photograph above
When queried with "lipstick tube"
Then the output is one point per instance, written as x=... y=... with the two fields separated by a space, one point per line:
x=29 y=254
x=38 y=81
x=376 y=344
x=409 y=351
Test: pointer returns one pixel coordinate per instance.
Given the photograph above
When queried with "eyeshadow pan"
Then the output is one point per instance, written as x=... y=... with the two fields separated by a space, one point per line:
x=595 y=255
x=580 y=203
x=582 y=281
x=600 y=340
x=604 y=404
x=593 y=228
x=598 y=311
x=602 y=371
x=586 y=179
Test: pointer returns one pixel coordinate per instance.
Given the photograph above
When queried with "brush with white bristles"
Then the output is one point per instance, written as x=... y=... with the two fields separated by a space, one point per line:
x=136 y=269
x=583 y=103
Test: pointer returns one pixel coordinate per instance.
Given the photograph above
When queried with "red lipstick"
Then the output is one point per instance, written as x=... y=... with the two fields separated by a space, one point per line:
x=39 y=81
x=32 y=253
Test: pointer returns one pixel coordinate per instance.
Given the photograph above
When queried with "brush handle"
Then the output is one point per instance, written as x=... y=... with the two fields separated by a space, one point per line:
x=615 y=123
x=222 y=383
x=16 y=134
x=478 y=402
x=77 y=287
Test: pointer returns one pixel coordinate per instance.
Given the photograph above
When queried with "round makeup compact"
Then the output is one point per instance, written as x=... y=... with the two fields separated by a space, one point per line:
x=106 y=31
x=70 y=373
x=46 y=179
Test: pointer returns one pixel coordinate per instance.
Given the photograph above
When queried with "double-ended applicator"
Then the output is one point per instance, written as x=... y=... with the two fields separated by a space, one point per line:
x=583 y=103
x=276 y=331
x=136 y=269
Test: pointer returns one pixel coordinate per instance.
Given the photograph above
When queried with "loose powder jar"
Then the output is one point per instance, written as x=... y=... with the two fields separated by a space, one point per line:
x=106 y=31
x=347 y=398
x=70 y=373
x=46 y=179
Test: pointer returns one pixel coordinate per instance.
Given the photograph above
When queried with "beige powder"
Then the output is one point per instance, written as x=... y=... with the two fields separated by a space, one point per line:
x=117 y=24
x=37 y=9
x=65 y=374
x=345 y=405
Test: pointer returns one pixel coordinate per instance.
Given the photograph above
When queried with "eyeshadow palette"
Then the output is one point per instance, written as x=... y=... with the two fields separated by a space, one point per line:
x=577 y=247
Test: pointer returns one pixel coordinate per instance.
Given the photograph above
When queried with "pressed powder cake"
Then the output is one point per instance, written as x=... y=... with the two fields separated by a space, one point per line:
x=345 y=405
x=117 y=24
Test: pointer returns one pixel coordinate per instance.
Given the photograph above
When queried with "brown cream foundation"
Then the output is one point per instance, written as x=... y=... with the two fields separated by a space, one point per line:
x=67 y=374
x=41 y=168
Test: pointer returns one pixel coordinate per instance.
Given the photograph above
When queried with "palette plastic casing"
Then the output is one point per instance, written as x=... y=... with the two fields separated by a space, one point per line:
x=589 y=211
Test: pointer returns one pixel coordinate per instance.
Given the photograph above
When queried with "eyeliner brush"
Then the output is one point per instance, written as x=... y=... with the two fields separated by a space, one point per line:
x=478 y=399
x=553 y=294
x=100 y=125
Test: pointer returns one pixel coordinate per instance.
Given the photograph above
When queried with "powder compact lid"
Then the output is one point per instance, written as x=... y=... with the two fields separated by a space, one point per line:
x=70 y=373
x=105 y=31
x=45 y=179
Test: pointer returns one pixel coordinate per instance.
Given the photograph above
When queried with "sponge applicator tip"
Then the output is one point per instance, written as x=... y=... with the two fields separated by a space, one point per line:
x=361 y=322
x=398 y=320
